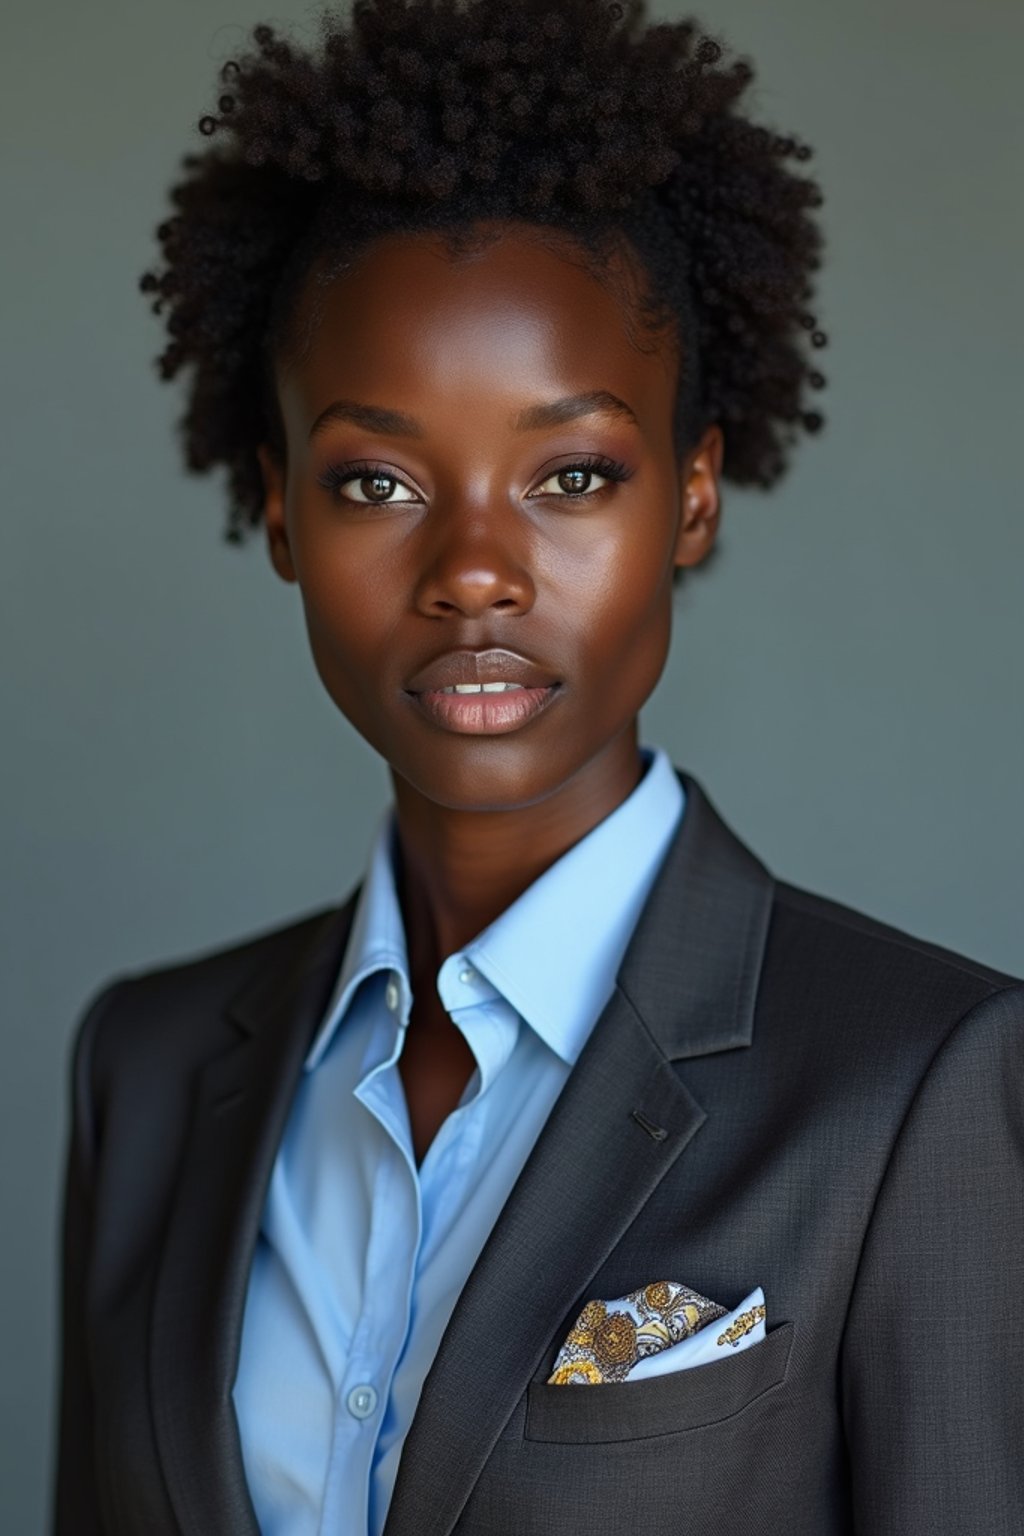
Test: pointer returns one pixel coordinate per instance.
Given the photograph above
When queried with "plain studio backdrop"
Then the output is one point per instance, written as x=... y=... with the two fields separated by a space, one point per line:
x=846 y=680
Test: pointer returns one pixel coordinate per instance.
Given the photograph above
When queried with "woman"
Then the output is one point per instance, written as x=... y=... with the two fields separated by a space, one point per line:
x=574 y=1174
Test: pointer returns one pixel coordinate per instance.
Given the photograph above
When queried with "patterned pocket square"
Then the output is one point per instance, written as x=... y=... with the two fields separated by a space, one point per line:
x=661 y=1328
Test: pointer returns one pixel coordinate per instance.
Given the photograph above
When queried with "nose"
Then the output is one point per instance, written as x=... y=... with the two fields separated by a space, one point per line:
x=475 y=560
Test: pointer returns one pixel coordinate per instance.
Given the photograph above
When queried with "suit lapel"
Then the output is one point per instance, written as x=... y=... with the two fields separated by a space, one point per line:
x=686 y=987
x=240 y=1107
x=590 y=1173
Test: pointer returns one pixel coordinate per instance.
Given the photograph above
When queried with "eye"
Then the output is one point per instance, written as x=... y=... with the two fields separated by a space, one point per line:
x=574 y=480
x=366 y=484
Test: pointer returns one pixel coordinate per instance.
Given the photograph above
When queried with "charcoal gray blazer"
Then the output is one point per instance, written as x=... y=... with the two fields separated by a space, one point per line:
x=780 y=1092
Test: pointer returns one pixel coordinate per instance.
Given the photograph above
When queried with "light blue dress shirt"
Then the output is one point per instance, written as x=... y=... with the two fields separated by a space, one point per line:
x=361 y=1255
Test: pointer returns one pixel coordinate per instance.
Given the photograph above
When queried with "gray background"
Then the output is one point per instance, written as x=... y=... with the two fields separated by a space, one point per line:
x=846 y=681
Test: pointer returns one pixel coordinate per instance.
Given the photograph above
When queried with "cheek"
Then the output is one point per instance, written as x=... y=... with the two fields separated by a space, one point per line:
x=342 y=636
x=636 y=634
x=619 y=593
x=346 y=575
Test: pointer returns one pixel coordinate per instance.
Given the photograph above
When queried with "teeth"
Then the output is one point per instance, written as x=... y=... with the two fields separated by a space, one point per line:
x=481 y=687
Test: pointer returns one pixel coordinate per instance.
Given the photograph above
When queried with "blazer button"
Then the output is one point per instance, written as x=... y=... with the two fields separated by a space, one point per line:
x=361 y=1401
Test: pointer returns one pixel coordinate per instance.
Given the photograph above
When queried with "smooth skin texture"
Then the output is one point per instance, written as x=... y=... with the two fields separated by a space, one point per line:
x=453 y=530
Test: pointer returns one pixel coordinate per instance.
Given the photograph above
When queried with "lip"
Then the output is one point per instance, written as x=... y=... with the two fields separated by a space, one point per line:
x=494 y=665
x=484 y=714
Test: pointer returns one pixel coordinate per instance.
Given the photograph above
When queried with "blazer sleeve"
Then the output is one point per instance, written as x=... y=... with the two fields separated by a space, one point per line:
x=933 y=1351
x=75 y=1505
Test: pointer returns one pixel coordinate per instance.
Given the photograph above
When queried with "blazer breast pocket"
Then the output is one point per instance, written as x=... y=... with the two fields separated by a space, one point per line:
x=662 y=1405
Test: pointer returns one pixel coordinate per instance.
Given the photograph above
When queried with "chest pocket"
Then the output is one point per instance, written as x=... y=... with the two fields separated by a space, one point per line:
x=663 y=1405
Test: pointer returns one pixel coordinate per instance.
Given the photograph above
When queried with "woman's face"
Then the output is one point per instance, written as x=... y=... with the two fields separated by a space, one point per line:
x=481 y=488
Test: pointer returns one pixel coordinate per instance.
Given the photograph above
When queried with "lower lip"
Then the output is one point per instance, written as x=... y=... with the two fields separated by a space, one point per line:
x=485 y=714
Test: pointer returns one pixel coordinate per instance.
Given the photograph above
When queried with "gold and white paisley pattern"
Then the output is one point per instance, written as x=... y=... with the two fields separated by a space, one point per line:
x=742 y=1326
x=584 y=1371
x=610 y=1337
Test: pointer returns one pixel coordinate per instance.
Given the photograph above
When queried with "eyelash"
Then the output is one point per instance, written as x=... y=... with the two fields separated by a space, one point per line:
x=335 y=476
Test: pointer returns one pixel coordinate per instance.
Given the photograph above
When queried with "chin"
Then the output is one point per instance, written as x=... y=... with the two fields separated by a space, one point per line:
x=476 y=784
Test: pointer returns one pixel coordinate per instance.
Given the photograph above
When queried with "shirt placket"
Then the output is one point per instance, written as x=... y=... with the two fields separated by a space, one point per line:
x=382 y=1327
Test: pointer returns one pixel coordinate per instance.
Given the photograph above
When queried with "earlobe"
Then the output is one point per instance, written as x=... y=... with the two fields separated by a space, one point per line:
x=700 y=498
x=278 y=546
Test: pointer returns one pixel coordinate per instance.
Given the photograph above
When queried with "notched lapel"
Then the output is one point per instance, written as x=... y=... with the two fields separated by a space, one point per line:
x=240 y=1108
x=591 y=1171
x=686 y=987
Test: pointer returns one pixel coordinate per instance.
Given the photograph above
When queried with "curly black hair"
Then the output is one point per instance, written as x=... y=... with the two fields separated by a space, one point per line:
x=578 y=115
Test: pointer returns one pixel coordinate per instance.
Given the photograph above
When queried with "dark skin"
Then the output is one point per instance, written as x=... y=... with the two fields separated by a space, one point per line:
x=463 y=536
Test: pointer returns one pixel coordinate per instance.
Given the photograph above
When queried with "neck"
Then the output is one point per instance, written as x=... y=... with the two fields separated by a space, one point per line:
x=458 y=870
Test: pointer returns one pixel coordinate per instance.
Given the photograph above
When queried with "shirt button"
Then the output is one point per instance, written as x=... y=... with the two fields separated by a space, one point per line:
x=361 y=1401
x=466 y=974
x=391 y=995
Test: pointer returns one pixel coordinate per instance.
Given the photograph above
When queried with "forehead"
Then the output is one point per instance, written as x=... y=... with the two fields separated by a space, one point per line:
x=520 y=313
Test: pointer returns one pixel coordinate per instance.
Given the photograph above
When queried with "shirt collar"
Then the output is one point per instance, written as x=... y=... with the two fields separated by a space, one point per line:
x=376 y=940
x=555 y=951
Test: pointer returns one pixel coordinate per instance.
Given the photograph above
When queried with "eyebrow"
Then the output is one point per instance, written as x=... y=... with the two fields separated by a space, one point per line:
x=374 y=418
x=555 y=413
x=552 y=413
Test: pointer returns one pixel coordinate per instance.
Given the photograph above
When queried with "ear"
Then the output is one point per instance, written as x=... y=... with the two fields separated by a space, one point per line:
x=273 y=472
x=700 y=499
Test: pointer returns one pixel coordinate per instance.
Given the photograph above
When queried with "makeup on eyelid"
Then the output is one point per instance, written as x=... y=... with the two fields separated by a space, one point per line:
x=336 y=476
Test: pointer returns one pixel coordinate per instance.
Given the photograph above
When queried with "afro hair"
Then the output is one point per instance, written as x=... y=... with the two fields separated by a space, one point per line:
x=578 y=115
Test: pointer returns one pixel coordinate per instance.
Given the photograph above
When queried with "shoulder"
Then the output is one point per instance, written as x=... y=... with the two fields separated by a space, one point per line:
x=878 y=988
x=824 y=963
x=169 y=1013
x=835 y=930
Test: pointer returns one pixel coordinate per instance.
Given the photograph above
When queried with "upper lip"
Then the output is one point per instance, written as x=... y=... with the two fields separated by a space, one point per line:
x=490 y=666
